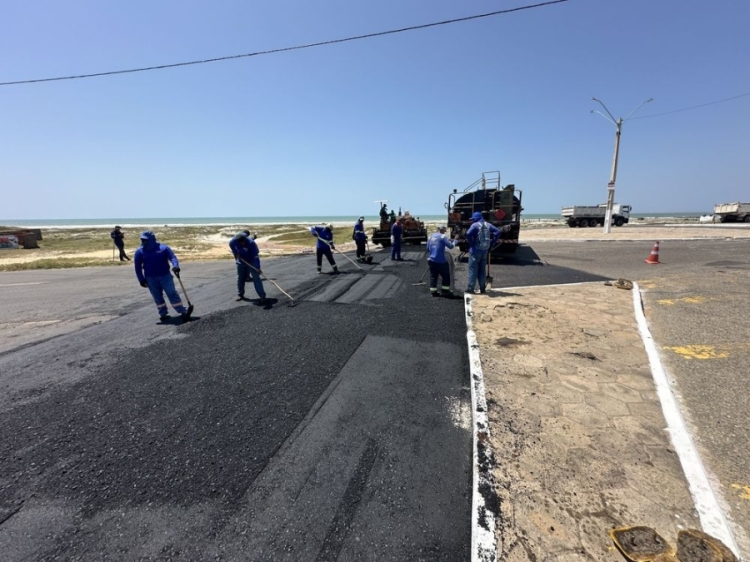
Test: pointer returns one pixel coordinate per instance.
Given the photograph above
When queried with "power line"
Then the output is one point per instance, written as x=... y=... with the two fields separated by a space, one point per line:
x=285 y=49
x=692 y=107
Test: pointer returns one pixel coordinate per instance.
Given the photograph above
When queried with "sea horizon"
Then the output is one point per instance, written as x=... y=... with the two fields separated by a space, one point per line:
x=229 y=221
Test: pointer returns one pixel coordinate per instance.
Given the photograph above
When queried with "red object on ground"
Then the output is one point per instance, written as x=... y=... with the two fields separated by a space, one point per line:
x=653 y=258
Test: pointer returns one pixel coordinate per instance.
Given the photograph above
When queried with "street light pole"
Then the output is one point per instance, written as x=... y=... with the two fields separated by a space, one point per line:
x=613 y=175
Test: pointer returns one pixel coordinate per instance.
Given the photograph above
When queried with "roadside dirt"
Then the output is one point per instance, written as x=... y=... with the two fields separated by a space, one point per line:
x=576 y=427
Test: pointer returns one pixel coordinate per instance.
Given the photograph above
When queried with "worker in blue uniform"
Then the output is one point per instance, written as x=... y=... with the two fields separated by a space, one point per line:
x=481 y=237
x=397 y=236
x=438 y=263
x=324 y=246
x=152 y=261
x=247 y=258
x=360 y=238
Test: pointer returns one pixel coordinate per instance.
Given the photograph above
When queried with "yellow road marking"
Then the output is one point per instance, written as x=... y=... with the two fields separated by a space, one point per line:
x=704 y=351
x=744 y=491
x=687 y=300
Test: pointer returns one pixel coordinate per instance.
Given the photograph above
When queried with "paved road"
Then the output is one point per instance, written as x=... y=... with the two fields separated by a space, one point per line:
x=337 y=428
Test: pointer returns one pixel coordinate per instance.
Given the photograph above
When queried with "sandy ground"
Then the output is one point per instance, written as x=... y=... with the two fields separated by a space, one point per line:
x=215 y=246
x=575 y=424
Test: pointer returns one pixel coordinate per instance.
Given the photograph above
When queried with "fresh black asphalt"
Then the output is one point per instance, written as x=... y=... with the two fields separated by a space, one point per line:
x=334 y=429
x=166 y=451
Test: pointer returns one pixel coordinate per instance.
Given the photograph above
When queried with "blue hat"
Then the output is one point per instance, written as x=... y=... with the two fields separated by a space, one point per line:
x=477 y=216
x=147 y=235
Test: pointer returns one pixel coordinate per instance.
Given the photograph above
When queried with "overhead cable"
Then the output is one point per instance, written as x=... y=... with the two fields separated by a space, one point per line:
x=285 y=49
x=692 y=107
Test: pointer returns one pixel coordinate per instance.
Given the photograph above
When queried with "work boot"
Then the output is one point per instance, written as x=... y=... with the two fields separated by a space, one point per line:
x=320 y=270
x=164 y=318
x=240 y=298
x=447 y=294
x=435 y=294
x=335 y=269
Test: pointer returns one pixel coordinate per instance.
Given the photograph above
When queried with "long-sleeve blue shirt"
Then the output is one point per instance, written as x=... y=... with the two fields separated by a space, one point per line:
x=323 y=234
x=397 y=231
x=472 y=235
x=248 y=252
x=153 y=259
x=436 y=245
x=359 y=231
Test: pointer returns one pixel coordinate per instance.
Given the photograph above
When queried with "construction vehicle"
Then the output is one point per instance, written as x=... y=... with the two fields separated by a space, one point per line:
x=593 y=215
x=732 y=212
x=500 y=206
x=415 y=231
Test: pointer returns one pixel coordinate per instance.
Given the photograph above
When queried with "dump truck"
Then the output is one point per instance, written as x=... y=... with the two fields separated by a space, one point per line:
x=732 y=212
x=593 y=215
x=500 y=206
x=415 y=231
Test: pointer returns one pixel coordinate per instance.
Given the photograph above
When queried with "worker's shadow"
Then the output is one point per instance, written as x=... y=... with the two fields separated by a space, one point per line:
x=176 y=321
x=524 y=255
x=495 y=293
x=268 y=305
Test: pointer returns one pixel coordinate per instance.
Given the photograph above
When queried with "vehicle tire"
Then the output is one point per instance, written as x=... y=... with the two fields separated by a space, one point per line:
x=619 y=221
x=572 y=224
x=581 y=223
x=747 y=218
x=386 y=244
x=593 y=223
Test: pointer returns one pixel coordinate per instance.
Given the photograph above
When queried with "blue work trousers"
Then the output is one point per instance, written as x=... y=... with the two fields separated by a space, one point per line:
x=477 y=271
x=396 y=250
x=244 y=274
x=160 y=284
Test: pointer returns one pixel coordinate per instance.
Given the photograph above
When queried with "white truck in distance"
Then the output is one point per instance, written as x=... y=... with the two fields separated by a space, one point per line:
x=732 y=212
x=582 y=215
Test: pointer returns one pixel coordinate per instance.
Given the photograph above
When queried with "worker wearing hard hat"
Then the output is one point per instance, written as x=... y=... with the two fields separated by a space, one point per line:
x=438 y=264
x=360 y=237
x=481 y=237
x=324 y=234
x=247 y=258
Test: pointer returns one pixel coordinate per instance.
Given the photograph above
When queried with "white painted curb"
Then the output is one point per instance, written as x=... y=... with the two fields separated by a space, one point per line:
x=483 y=543
x=712 y=518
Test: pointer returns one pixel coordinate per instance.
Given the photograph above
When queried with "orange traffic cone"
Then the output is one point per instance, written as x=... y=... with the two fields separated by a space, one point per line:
x=653 y=258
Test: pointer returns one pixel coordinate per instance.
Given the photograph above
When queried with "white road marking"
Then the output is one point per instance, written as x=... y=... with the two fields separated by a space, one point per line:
x=20 y=284
x=483 y=541
x=713 y=520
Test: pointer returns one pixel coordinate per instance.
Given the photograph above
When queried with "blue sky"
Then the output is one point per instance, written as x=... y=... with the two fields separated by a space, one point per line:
x=407 y=117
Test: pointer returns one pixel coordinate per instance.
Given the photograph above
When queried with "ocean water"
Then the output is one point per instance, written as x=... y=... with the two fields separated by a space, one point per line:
x=242 y=221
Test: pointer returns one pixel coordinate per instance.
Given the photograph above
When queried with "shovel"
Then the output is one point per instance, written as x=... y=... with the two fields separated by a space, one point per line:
x=187 y=298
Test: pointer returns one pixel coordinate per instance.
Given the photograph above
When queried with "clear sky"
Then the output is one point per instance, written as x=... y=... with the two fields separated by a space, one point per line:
x=407 y=117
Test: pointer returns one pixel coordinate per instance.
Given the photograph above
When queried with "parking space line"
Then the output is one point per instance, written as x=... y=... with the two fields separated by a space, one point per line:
x=713 y=520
